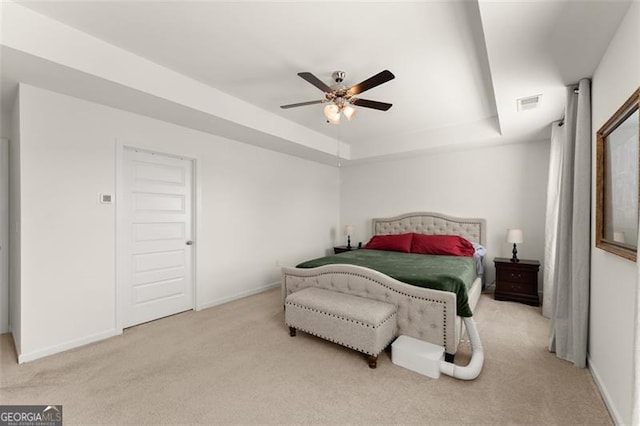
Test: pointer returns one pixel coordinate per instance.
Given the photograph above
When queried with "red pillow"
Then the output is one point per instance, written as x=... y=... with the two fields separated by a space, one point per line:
x=400 y=242
x=451 y=245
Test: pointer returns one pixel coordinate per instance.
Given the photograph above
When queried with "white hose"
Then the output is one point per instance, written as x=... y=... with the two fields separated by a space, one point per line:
x=471 y=370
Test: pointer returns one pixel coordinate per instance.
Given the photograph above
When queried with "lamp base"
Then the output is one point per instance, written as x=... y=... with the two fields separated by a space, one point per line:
x=514 y=258
x=349 y=242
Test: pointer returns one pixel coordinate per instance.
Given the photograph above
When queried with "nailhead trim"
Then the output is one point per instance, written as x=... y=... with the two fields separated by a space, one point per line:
x=341 y=317
x=330 y=339
x=346 y=345
x=372 y=280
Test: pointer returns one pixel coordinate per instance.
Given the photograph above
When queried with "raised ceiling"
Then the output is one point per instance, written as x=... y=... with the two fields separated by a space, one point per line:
x=460 y=66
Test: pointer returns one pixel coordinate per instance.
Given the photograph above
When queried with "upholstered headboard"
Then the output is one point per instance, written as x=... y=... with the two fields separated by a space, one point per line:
x=473 y=230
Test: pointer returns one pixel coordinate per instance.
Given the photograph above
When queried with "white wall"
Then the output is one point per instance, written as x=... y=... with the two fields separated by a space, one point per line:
x=15 y=322
x=506 y=185
x=256 y=209
x=4 y=237
x=614 y=279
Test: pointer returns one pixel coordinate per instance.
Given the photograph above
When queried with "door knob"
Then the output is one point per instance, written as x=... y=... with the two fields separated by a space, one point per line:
x=189 y=243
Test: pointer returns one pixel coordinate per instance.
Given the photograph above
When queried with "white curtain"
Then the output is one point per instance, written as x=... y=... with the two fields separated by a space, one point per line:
x=635 y=412
x=570 y=285
x=551 y=225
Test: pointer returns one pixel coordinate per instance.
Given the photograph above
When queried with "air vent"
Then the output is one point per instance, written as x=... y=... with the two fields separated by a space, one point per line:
x=531 y=102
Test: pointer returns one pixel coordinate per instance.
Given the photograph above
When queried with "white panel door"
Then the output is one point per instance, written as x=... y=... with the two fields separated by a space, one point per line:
x=158 y=223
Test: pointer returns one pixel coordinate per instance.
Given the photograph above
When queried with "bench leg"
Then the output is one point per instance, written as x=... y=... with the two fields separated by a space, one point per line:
x=449 y=357
x=373 y=361
x=292 y=331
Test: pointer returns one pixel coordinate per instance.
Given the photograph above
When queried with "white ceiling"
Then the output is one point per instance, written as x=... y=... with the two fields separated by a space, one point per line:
x=459 y=65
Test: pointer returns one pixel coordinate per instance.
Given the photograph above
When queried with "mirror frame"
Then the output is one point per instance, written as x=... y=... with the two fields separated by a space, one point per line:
x=620 y=116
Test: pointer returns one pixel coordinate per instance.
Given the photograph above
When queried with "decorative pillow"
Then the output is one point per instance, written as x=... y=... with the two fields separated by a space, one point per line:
x=480 y=250
x=452 y=245
x=400 y=242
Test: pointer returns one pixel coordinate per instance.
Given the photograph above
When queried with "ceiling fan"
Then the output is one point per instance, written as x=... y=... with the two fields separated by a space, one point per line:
x=340 y=98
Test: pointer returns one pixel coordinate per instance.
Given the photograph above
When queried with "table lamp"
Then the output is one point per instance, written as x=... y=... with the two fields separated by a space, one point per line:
x=514 y=236
x=348 y=230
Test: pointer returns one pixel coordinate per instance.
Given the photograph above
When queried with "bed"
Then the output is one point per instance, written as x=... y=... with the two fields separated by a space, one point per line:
x=429 y=314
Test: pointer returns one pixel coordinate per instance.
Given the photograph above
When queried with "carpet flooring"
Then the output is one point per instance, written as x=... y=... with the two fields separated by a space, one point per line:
x=236 y=363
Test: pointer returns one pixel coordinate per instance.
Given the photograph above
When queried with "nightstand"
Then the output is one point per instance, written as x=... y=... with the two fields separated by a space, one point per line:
x=517 y=281
x=342 y=249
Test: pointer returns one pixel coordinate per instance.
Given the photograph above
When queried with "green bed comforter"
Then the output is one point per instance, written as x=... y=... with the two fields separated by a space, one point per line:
x=447 y=273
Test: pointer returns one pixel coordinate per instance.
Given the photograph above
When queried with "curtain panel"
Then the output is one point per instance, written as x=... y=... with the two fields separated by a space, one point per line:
x=635 y=409
x=551 y=223
x=570 y=285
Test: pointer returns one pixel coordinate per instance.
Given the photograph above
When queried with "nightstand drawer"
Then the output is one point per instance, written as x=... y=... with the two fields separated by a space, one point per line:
x=517 y=276
x=518 y=287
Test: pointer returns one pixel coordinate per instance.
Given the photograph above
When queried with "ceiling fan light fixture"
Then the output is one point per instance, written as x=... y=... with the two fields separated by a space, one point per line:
x=340 y=97
x=332 y=113
x=349 y=112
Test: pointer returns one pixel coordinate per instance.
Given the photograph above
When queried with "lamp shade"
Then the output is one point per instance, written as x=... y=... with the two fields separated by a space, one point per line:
x=349 y=112
x=514 y=236
x=332 y=113
x=348 y=230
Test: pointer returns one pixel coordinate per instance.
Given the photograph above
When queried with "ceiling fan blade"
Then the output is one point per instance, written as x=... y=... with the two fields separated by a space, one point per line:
x=301 y=104
x=315 y=81
x=383 y=106
x=371 y=82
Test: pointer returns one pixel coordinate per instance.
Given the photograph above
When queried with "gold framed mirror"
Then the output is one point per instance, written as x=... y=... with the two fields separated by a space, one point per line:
x=617 y=176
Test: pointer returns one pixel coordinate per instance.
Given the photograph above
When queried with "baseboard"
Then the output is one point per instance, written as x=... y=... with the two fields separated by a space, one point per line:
x=613 y=412
x=31 y=356
x=238 y=296
x=16 y=344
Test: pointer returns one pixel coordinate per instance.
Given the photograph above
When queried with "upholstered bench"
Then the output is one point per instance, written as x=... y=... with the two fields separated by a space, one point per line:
x=365 y=325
